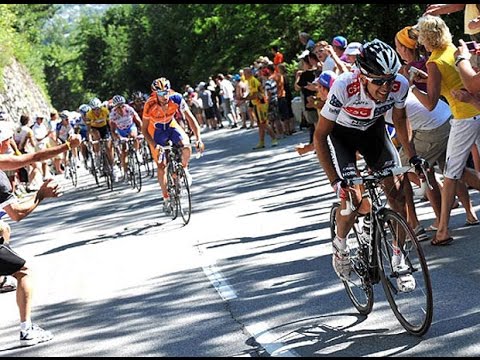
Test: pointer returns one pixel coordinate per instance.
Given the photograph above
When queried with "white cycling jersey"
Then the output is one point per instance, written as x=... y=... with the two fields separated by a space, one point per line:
x=349 y=105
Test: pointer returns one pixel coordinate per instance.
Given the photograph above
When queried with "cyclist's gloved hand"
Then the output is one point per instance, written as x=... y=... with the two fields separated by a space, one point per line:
x=340 y=188
x=418 y=162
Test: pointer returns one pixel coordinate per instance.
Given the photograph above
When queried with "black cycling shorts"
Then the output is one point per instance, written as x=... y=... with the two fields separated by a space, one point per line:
x=373 y=144
x=10 y=261
x=104 y=131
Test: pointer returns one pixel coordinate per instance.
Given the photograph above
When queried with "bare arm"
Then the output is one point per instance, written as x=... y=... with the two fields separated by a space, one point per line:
x=430 y=99
x=323 y=128
x=148 y=137
x=18 y=211
x=193 y=123
x=12 y=162
x=339 y=63
x=441 y=9
x=470 y=78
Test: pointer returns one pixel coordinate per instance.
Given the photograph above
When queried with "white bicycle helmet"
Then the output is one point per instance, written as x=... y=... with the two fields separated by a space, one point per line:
x=95 y=103
x=378 y=58
x=118 y=100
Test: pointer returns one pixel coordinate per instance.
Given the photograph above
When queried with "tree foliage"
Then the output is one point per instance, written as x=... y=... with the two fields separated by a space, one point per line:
x=125 y=48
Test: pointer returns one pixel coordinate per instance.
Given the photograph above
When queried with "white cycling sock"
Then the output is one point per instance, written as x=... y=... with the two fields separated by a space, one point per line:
x=24 y=326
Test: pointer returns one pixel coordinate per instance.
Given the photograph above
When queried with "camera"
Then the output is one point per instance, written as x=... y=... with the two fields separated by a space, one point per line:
x=412 y=71
x=472 y=46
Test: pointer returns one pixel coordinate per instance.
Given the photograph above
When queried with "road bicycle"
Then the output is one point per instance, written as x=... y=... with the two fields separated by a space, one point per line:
x=134 y=171
x=371 y=249
x=71 y=168
x=103 y=167
x=94 y=162
x=177 y=183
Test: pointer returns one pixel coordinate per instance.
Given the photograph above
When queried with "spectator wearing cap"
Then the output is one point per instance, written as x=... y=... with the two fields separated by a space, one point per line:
x=6 y=133
x=306 y=40
x=339 y=44
x=321 y=86
x=351 y=52
x=11 y=124
x=41 y=131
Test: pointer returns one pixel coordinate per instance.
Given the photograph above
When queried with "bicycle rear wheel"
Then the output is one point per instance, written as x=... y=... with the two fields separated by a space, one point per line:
x=93 y=167
x=107 y=171
x=184 y=197
x=358 y=287
x=147 y=158
x=73 y=173
x=412 y=307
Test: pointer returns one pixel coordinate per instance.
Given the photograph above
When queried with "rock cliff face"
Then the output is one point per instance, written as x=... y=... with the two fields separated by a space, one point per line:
x=21 y=95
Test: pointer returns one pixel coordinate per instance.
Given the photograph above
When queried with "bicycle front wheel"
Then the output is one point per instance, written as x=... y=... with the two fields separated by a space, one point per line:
x=134 y=171
x=173 y=210
x=406 y=282
x=184 y=197
x=358 y=287
x=73 y=174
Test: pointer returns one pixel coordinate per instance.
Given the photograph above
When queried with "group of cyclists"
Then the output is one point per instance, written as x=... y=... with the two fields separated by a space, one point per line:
x=153 y=117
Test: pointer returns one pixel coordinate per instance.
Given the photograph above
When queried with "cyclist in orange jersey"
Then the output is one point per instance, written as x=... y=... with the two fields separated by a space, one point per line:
x=159 y=126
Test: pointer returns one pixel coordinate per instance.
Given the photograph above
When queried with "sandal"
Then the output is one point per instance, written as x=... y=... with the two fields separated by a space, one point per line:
x=421 y=233
x=436 y=242
x=7 y=285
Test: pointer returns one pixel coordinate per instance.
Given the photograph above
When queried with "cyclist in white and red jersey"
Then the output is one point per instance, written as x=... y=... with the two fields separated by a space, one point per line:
x=352 y=120
x=124 y=123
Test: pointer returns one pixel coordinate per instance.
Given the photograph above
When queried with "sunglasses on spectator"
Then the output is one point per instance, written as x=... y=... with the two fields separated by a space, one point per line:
x=162 y=92
x=381 y=81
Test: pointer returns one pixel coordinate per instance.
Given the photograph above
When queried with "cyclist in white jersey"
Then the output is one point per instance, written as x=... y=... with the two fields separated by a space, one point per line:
x=351 y=121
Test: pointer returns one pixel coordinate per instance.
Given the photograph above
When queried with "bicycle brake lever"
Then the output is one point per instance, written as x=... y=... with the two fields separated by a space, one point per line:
x=348 y=206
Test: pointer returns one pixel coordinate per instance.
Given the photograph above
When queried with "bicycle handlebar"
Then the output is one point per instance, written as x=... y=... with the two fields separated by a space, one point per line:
x=372 y=177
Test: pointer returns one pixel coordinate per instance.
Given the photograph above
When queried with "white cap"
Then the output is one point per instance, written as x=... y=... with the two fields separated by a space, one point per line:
x=303 y=54
x=353 y=48
x=5 y=131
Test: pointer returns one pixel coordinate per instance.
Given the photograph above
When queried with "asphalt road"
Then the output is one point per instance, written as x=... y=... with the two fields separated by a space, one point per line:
x=250 y=275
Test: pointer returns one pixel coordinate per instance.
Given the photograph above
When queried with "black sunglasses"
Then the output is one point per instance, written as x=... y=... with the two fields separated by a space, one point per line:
x=381 y=81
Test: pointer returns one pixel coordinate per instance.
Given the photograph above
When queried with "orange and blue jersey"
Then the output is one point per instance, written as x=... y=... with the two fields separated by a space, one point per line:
x=162 y=125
